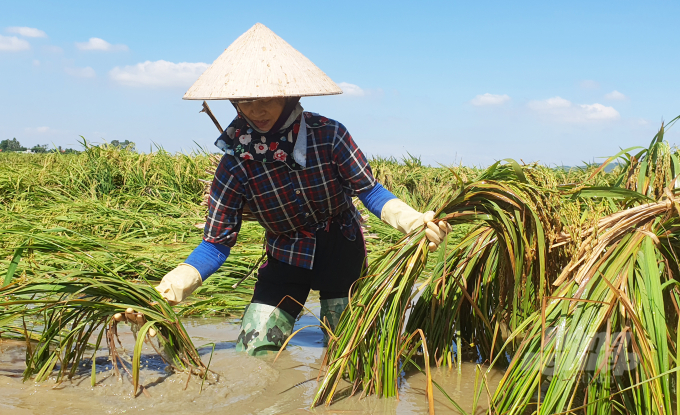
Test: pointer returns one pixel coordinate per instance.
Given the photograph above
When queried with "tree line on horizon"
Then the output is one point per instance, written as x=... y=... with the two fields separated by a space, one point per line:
x=14 y=145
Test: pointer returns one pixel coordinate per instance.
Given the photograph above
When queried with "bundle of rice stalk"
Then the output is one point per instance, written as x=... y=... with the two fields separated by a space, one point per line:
x=497 y=275
x=69 y=310
x=524 y=218
x=606 y=340
x=372 y=341
x=447 y=302
x=84 y=296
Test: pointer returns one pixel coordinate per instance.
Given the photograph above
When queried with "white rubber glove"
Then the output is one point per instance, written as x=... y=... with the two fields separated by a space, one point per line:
x=404 y=218
x=179 y=283
x=135 y=319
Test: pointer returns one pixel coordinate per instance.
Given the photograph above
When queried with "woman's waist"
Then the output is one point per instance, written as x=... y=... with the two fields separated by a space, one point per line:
x=347 y=218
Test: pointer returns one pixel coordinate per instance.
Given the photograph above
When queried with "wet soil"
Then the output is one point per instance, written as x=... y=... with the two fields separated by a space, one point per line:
x=245 y=385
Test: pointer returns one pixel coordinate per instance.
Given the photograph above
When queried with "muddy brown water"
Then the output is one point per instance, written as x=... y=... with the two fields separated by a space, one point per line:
x=246 y=385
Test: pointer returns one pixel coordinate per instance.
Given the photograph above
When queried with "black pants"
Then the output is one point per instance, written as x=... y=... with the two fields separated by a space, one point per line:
x=337 y=264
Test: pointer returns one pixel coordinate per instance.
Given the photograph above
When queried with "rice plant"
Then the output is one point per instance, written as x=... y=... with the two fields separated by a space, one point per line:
x=374 y=341
x=113 y=209
x=70 y=310
x=576 y=281
x=570 y=273
x=605 y=340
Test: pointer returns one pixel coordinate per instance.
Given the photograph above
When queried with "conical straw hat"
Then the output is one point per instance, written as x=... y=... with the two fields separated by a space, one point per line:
x=260 y=64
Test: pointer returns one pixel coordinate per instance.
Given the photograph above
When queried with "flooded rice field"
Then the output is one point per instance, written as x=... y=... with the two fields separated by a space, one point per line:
x=243 y=385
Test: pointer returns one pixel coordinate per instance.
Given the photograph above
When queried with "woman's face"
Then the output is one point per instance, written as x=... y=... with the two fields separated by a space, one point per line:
x=263 y=112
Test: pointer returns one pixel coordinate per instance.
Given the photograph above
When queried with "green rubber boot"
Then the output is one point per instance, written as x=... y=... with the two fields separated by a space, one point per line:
x=264 y=328
x=330 y=314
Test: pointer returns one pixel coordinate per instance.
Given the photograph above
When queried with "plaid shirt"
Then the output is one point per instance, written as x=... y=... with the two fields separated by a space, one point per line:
x=292 y=204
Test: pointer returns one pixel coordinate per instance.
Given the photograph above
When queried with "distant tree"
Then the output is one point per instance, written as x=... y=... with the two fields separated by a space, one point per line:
x=127 y=144
x=11 y=145
x=40 y=148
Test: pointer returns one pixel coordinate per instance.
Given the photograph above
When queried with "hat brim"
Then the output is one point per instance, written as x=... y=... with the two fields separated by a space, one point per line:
x=259 y=64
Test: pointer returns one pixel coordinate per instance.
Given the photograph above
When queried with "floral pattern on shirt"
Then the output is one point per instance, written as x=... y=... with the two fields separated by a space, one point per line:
x=241 y=140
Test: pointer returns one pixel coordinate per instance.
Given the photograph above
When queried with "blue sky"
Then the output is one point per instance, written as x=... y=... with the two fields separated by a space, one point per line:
x=452 y=82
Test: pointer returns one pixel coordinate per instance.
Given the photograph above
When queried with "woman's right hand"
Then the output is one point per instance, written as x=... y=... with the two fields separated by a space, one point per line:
x=179 y=283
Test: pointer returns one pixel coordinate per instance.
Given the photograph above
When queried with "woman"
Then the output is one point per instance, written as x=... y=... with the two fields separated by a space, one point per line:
x=297 y=173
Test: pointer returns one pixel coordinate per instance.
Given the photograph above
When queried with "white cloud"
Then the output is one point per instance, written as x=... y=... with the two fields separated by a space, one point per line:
x=40 y=130
x=158 y=74
x=589 y=84
x=86 y=72
x=562 y=110
x=96 y=43
x=351 y=89
x=599 y=112
x=13 y=44
x=489 y=99
x=616 y=96
x=26 y=31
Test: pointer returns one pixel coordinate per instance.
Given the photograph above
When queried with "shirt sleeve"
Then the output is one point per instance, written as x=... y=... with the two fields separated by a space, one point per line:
x=375 y=199
x=352 y=164
x=225 y=206
x=207 y=258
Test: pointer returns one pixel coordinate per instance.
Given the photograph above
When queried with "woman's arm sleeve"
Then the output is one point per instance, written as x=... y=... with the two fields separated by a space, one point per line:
x=375 y=199
x=352 y=165
x=223 y=222
x=225 y=205
x=208 y=258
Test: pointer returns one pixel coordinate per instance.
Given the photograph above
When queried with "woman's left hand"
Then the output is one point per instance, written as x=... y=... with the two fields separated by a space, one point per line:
x=403 y=217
